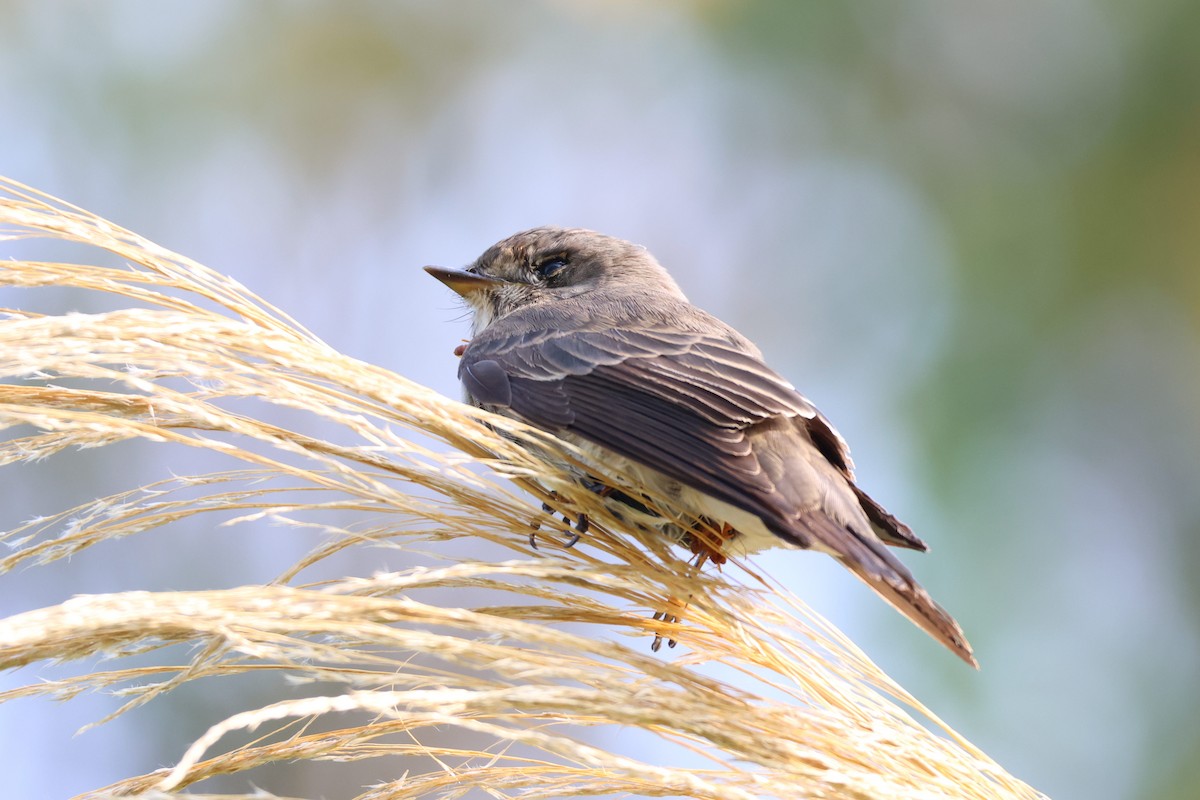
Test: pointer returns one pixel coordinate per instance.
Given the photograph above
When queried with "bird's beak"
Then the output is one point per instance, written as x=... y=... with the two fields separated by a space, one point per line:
x=465 y=283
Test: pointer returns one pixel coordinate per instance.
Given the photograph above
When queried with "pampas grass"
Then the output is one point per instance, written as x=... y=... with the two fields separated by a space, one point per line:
x=193 y=359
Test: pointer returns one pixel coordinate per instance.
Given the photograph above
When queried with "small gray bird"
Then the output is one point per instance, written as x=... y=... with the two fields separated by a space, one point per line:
x=588 y=337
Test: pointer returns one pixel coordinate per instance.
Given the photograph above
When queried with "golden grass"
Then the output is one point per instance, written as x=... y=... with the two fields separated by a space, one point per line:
x=807 y=715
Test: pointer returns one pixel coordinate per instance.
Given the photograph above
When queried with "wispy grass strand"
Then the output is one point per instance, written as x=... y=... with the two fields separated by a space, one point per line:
x=551 y=644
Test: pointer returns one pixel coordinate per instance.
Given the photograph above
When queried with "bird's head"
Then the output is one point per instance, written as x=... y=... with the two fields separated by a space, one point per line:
x=549 y=265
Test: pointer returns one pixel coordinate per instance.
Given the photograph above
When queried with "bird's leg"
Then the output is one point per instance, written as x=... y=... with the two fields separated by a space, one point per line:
x=704 y=552
x=581 y=523
x=701 y=542
x=581 y=527
x=462 y=348
x=537 y=525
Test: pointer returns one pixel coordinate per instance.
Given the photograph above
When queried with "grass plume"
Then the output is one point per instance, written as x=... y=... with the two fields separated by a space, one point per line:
x=193 y=359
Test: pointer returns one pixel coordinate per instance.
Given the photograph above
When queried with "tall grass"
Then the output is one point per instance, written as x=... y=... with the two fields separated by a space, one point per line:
x=562 y=645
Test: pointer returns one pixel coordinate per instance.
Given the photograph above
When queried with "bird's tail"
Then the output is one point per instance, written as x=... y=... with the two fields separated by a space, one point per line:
x=864 y=554
x=891 y=530
x=911 y=600
x=843 y=521
x=905 y=593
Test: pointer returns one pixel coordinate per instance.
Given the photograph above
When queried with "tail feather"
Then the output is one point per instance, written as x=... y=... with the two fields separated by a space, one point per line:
x=817 y=505
x=891 y=530
x=911 y=600
x=866 y=556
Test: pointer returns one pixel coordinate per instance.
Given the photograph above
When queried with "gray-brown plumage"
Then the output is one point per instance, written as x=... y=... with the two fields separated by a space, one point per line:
x=588 y=336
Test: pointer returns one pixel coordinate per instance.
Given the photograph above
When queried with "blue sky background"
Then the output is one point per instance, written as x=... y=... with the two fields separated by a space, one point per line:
x=967 y=232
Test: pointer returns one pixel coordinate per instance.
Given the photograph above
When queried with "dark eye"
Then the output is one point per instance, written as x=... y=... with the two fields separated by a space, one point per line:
x=551 y=266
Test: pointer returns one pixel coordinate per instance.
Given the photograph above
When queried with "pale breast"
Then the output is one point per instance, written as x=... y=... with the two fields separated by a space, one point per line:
x=752 y=534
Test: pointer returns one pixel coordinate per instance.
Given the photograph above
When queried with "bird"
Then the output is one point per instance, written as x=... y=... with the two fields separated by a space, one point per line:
x=588 y=337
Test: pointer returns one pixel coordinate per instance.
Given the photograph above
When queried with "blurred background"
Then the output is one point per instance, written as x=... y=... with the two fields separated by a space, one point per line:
x=970 y=233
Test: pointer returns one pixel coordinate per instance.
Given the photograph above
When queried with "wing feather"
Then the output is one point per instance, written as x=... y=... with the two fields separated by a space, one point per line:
x=677 y=401
x=682 y=395
x=691 y=405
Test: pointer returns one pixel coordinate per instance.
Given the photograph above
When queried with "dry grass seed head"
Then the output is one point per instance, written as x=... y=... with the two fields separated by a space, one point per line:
x=809 y=715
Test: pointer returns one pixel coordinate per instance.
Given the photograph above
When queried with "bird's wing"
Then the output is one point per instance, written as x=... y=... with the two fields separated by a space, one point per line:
x=674 y=398
x=692 y=406
x=693 y=390
x=708 y=374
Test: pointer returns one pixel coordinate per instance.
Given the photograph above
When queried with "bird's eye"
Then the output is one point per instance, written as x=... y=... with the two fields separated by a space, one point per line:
x=551 y=266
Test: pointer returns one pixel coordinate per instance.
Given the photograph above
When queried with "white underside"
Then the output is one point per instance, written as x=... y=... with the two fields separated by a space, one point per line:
x=752 y=534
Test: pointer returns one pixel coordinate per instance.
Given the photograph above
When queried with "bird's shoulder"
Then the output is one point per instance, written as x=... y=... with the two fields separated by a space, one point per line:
x=658 y=359
x=667 y=356
x=553 y=339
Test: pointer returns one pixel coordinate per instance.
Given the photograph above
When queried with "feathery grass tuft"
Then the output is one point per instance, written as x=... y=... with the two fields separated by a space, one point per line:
x=194 y=359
